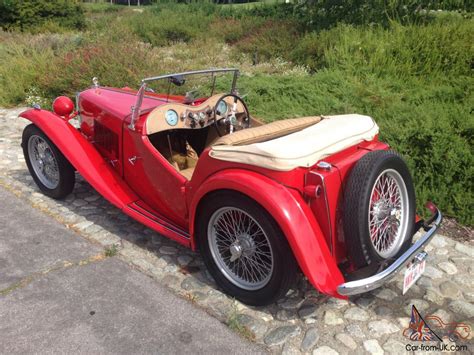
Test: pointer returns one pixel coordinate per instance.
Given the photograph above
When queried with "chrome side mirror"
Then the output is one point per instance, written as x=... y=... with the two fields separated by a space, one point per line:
x=177 y=80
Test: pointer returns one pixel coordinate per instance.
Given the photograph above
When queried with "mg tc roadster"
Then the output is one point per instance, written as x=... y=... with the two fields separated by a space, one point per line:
x=319 y=194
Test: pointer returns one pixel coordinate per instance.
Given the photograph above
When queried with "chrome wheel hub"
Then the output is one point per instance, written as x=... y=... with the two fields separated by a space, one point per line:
x=235 y=251
x=244 y=245
x=384 y=209
x=240 y=248
x=388 y=213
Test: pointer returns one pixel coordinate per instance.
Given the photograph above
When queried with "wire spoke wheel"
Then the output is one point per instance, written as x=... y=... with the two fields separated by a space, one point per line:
x=43 y=161
x=388 y=213
x=379 y=209
x=240 y=248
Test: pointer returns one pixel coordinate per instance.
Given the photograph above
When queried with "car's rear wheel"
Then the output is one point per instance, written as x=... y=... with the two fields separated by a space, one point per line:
x=51 y=171
x=379 y=208
x=244 y=249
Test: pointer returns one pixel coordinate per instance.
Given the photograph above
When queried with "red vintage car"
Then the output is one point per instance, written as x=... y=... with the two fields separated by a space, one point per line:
x=321 y=194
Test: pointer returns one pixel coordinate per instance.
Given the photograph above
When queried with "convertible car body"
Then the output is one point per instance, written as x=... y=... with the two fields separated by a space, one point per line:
x=259 y=201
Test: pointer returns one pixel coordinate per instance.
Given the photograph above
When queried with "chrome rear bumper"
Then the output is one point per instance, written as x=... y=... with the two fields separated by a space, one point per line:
x=377 y=280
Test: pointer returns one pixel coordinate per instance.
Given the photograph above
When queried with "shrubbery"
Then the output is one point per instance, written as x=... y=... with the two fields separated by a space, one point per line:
x=41 y=15
x=414 y=79
x=325 y=14
x=168 y=26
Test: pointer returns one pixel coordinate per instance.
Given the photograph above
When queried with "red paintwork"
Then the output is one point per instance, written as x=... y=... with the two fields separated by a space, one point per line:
x=151 y=191
x=63 y=106
x=327 y=208
x=92 y=166
x=83 y=156
x=152 y=177
x=293 y=216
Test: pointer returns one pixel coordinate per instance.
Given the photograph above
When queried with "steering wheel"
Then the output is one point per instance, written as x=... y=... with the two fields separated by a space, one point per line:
x=233 y=120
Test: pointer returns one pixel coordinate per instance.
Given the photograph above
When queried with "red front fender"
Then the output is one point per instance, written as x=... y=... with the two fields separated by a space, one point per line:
x=83 y=156
x=292 y=215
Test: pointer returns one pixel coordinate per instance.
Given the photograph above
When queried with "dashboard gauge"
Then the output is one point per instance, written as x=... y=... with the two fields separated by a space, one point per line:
x=171 y=117
x=221 y=108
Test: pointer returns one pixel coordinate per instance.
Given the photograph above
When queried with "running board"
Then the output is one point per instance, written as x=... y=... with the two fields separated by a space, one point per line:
x=139 y=211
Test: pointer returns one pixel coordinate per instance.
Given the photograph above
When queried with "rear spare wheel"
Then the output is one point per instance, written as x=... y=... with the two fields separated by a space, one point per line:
x=379 y=208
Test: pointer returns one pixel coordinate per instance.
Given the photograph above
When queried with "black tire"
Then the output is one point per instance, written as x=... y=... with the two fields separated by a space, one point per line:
x=284 y=269
x=67 y=175
x=357 y=195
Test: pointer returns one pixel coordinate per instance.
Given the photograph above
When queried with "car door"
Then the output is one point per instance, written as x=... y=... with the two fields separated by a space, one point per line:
x=152 y=178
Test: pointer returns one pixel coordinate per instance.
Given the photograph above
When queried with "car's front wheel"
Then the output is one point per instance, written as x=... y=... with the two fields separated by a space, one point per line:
x=244 y=249
x=51 y=171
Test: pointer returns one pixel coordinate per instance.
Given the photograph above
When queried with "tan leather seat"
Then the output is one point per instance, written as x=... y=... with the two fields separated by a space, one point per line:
x=187 y=173
x=268 y=131
x=185 y=164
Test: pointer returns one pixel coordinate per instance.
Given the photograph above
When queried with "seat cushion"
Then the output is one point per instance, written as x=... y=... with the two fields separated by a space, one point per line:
x=267 y=131
x=187 y=173
x=303 y=148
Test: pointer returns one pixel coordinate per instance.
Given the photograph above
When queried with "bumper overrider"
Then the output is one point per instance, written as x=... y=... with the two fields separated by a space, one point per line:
x=413 y=254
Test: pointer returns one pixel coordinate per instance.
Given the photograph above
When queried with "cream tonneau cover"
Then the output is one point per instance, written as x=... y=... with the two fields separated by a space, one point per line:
x=303 y=148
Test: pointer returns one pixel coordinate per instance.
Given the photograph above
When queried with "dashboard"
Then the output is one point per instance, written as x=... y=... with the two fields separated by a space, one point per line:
x=182 y=116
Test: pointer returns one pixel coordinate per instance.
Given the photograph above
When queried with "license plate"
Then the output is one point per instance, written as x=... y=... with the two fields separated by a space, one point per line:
x=414 y=271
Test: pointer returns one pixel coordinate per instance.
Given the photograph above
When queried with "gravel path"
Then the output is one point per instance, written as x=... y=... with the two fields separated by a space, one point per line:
x=304 y=321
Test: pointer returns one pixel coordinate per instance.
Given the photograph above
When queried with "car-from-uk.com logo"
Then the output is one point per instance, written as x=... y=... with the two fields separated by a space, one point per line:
x=432 y=328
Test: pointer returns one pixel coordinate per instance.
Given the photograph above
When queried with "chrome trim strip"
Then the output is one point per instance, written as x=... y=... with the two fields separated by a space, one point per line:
x=138 y=209
x=79 y=118
x=377 y=280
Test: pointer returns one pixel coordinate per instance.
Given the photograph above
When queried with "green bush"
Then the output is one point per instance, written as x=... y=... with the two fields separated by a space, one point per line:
x=324 y=14
x=100 y=8
x=270 y=39
x=114 y=63
x=413 y=50
x=41 y=15
x=169 y=25
x=232 y=30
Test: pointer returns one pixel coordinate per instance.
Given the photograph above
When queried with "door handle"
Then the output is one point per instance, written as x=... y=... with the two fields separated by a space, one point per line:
x=133 y=159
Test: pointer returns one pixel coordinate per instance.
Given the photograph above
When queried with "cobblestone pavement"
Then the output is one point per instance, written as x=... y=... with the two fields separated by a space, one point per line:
x=304 y=321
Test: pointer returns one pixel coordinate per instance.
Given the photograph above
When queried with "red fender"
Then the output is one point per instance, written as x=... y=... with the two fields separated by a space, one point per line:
x=293 y=216
x=83 y=156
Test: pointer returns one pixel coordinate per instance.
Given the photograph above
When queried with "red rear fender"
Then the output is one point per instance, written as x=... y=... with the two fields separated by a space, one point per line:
x=291 y=213
x=83 y=156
